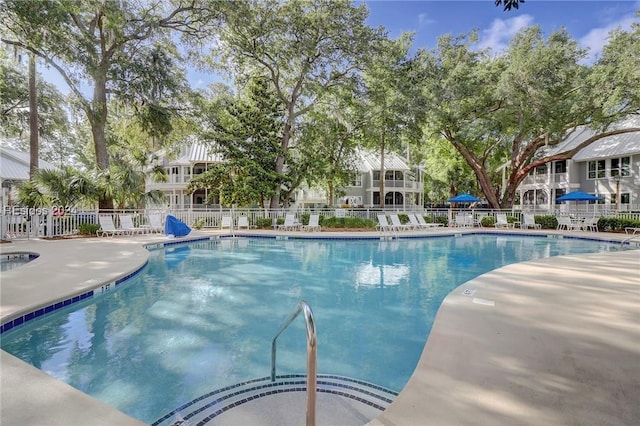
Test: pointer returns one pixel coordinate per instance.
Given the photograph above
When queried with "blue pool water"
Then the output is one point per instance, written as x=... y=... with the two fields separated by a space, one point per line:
x=202 y=316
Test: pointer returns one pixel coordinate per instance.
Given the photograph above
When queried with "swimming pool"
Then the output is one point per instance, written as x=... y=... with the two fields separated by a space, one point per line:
x=202 y=316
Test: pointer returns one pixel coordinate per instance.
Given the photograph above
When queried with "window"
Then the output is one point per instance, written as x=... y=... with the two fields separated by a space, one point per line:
x=174 y=170
x=625 y=198
x=389 y=175
x=561 y=166
x=356 y=180
x=596 y=169
x=541 y=170
x=620 y=166
x=376 y=175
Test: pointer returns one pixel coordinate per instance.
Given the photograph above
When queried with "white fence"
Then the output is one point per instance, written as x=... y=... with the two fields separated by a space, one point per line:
x=19 y=223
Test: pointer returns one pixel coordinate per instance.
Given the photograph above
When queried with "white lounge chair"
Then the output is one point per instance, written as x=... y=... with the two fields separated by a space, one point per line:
x=397 y=225
x=565 y=222
x=383 y=224
x=289 y=223
x=413 y=220
x=126 y=223
x=464 y=220
x=530 y=221
x=631 y=230
x=591 y=224
x=501 y=221
x=226 y=222
x=314 y=223
x=243 y=222
x=426 y=224
x=108 y=228
x=155 y=223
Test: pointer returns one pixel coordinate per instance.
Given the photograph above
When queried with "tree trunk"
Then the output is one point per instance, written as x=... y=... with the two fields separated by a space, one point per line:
x=98 y=119
x=33 y=118
x=286 y=137
x=382 y=170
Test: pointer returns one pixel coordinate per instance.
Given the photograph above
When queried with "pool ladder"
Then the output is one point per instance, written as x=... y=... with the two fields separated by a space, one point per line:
x=312 y=363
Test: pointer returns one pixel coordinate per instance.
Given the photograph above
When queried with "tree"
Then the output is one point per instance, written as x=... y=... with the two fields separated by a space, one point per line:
x=392 y=101
x=495 y=110
x=245 y=130
x=97 y=43
x=508 y=4
x=305 y=48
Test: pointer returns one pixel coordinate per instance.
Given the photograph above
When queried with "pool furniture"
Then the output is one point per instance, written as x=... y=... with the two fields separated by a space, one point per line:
x=226 y=222
x=126 y=223
x=591 y=224
x=243 y=222
x=155 y=223
x=397 y=225
x=314 y=223
x=501 y=221
x=107 y=227
x=566 y=223
x=383 y=224
x=631 y=230
x=415 y=223
x=425 y=224
x=529 y=221
x=289 y=223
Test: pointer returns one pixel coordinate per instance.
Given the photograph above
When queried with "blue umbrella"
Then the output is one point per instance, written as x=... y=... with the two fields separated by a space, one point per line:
x=464 y=198
x=577 y=196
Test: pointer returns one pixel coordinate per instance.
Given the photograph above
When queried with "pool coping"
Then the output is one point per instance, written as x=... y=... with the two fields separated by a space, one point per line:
x=130 y=255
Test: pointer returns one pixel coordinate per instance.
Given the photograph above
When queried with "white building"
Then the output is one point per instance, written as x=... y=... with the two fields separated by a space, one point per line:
x=608 y=168
x=14 y=168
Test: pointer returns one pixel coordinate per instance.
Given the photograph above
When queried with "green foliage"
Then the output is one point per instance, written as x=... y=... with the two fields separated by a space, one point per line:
x=265 y=222
x=617 y=223
x=547 y=221
x=88 y=228
x=347 y=222
x=488 y=222
x=199 y=223
x=404 y=219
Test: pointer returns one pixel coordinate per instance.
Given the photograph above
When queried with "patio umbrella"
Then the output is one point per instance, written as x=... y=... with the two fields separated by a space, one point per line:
x=464 y=198
x=577 y=196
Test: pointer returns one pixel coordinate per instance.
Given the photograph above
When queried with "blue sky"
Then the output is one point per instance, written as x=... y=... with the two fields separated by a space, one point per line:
x=589 y=22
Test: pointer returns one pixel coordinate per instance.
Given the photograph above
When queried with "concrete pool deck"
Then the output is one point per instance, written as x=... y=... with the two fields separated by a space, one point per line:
x=549 y=341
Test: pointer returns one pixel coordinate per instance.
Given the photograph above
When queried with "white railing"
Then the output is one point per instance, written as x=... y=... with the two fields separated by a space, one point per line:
x=20 y=224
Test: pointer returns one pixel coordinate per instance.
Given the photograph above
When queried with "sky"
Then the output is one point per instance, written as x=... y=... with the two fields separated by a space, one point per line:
x=587 y=21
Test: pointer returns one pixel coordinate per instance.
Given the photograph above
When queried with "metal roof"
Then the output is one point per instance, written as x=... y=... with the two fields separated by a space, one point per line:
x=14 y=165
x=195 y=152
x=369 y=160
x=620 y=145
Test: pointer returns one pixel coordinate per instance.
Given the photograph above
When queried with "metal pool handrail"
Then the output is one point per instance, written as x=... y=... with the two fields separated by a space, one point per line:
x=311 y=357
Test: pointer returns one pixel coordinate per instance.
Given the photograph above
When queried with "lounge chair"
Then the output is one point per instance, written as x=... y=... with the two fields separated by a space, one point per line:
x=631 y=230
x=591 y=224
x=530 y=221
x=108 y=228
x=289 y=223
x=126 y=223
x=155 y=223
x=397 y=225
x=314 y=223
x=565 y=222
x=243 y=222
x=413 y=220
x=426 y=224
x=383 y=225
x=464 y=220
x=226 y=222
x=501 y=221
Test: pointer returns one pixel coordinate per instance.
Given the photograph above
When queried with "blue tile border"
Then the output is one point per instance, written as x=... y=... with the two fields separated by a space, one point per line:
x=266 y=389
x=23 y=319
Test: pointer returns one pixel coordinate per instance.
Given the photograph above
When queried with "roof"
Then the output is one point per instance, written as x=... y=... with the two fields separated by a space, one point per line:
x=195 y=152
x=624 y=144
x=368 y=160
x=14 y=165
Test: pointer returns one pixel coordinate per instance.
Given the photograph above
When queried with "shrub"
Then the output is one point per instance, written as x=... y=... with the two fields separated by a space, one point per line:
x=437 y=219
x=88 y=228
x=346 y=222
x=547 y=221
x=265 y=222
x=617 y=223
x=199 y=223
x=488 y=222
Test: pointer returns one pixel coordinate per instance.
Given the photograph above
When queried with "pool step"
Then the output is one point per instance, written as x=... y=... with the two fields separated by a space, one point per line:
x=340 y=400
